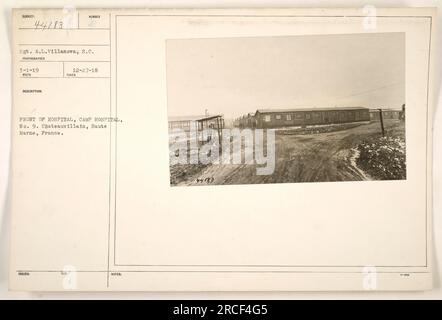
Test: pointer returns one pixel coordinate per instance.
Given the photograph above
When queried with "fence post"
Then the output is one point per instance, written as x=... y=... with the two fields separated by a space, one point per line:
x=382 y=122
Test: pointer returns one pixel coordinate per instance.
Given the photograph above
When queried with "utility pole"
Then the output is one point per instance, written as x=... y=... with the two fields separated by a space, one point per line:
x=382 y=122
x=219 y=128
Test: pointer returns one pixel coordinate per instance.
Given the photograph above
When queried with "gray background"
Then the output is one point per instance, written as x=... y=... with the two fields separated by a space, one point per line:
x=5 y=127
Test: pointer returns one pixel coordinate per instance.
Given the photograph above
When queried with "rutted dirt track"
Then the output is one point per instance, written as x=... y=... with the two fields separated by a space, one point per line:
x=299 y=158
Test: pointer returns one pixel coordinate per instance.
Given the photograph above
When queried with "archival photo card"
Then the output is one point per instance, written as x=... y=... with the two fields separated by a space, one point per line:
x=113 y=116
x=286 y=109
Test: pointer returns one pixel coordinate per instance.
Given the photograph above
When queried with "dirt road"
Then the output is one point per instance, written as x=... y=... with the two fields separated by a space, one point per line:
x=300 y=158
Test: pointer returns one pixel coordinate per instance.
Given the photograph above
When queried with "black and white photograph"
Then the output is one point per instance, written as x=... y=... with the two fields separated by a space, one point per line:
x=286 y=109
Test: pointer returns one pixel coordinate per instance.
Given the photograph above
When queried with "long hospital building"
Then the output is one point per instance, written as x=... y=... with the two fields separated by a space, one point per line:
x=274 y=118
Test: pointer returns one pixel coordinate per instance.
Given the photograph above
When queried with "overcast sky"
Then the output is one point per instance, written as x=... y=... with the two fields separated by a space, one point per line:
x=234 y=76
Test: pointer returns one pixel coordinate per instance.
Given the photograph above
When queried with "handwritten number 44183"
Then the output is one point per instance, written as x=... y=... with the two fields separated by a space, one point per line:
x=43 y=25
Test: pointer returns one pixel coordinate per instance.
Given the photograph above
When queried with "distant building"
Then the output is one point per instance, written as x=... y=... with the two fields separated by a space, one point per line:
x=386 y=114
x=246 y=121
x=201 y=122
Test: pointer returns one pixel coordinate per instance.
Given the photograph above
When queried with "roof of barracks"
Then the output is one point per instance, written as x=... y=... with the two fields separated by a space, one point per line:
x=309 y=109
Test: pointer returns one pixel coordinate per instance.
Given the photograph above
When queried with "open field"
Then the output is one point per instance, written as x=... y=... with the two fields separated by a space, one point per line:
x=300 y=157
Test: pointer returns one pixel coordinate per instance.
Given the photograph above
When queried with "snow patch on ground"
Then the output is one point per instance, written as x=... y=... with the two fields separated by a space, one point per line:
x=354 y=155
